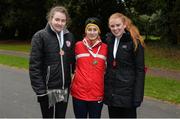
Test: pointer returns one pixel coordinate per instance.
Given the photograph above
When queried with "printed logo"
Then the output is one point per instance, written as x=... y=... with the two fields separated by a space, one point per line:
x=124 y=46
x=68 y=43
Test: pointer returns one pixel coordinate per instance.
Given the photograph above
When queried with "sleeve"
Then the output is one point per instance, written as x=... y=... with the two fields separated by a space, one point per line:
x=36 y=65
x=140 y=76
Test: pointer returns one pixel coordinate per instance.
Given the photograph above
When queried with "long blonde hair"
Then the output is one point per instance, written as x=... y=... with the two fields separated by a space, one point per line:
x=135 y=34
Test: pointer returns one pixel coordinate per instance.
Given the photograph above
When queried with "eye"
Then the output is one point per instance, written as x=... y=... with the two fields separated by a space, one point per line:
x=118 y=25
x=94 y=29
x=89 y=29
x=63 y=20
x=112 y=26
x=57 y=19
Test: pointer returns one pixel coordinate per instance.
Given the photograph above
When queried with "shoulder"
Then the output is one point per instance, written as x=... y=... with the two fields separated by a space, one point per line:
x=126 y=37
x=79 y=43
x=38 y=36
x=78 y=46
x=39 y=33
x=69 y=35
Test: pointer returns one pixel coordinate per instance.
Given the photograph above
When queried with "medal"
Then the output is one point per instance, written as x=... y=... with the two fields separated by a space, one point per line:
x=61 y=52
x=95 y=62
x=114 y=63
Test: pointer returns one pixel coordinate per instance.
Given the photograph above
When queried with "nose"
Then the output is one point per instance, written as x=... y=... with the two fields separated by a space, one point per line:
x=115 y=27
x=60 y=22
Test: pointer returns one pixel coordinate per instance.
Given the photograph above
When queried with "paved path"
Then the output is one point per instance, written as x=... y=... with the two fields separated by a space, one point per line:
x=14 y=53
x=17 y=99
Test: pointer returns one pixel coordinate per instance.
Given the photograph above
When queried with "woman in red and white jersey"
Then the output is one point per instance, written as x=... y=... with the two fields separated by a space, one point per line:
x=87 y=87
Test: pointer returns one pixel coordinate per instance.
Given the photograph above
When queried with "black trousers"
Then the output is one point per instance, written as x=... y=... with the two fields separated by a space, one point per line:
x=120 y=112
x=57 y=111
x=84 y=109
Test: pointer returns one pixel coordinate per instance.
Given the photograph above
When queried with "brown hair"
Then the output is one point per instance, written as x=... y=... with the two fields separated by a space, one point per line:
x=61 y=9
x=135 y=34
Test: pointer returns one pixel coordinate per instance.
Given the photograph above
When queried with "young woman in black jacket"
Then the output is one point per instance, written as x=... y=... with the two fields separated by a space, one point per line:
x=51 y=59
x=124 y=78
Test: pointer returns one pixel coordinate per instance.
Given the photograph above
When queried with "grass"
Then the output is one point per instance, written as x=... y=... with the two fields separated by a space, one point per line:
x=160 y=56
x=16 y=47
x=163 y=89
x=151 y=37
x=14 y=61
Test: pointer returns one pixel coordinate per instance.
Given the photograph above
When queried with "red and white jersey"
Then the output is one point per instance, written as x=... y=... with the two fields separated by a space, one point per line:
x=88 y=82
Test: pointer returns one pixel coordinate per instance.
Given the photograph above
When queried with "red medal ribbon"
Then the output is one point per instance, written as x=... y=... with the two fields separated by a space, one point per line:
x=114 y=63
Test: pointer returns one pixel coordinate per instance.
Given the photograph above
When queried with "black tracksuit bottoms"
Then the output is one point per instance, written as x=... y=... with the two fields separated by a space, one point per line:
x=56 y=111
x=120 y=112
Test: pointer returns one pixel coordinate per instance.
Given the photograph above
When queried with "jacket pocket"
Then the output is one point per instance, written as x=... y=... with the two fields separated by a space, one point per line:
x=53 y=76
x=48 y=76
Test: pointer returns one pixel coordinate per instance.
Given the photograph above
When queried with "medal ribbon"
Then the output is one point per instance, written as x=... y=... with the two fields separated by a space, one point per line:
x=61 y=43
x=94 y=54
x=60 y=39
x=116 y=43
x=90 y=48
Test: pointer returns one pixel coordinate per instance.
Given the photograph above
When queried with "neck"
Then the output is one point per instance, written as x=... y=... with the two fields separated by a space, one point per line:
x=92 y=42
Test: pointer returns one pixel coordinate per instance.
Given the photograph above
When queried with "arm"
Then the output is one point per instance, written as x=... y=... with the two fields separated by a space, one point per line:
x=140 y=76
x=36 y=65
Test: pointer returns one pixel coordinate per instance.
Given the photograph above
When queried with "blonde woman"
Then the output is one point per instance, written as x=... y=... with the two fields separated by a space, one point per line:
x=124 y=78
x=88 y=84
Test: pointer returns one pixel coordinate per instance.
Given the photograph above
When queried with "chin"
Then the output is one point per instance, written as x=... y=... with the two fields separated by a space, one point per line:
x=58 y=30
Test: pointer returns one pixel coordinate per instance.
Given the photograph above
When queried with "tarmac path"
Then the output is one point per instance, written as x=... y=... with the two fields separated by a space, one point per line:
x=17 y=99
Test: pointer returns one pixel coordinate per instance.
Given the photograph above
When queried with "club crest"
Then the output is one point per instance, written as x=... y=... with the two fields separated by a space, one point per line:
x=68 y=43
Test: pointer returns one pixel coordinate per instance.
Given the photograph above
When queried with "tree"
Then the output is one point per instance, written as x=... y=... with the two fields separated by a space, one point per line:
x=168 y=22
x=23 y=18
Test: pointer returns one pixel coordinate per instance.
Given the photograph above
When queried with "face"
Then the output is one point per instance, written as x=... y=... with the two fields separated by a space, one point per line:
x=117 y=26
x=92 y=32
x=58 y=21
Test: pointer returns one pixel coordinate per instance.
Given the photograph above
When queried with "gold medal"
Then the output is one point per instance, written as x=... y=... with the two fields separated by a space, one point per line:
x=61 y=52
x=95 y=62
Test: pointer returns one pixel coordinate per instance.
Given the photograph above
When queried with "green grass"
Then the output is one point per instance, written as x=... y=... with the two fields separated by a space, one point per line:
x=163 y=88
x=16 y=47
x=14 y=61
x=151 y=37
x=159 y=56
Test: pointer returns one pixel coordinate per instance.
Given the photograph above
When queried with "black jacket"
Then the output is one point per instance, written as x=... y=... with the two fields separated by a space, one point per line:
x=124 y=83
x=45 y=66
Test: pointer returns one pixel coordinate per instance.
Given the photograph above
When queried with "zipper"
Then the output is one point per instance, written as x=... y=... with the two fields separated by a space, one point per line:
x=61 y=42
x=62 y=67
x=47 y=76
